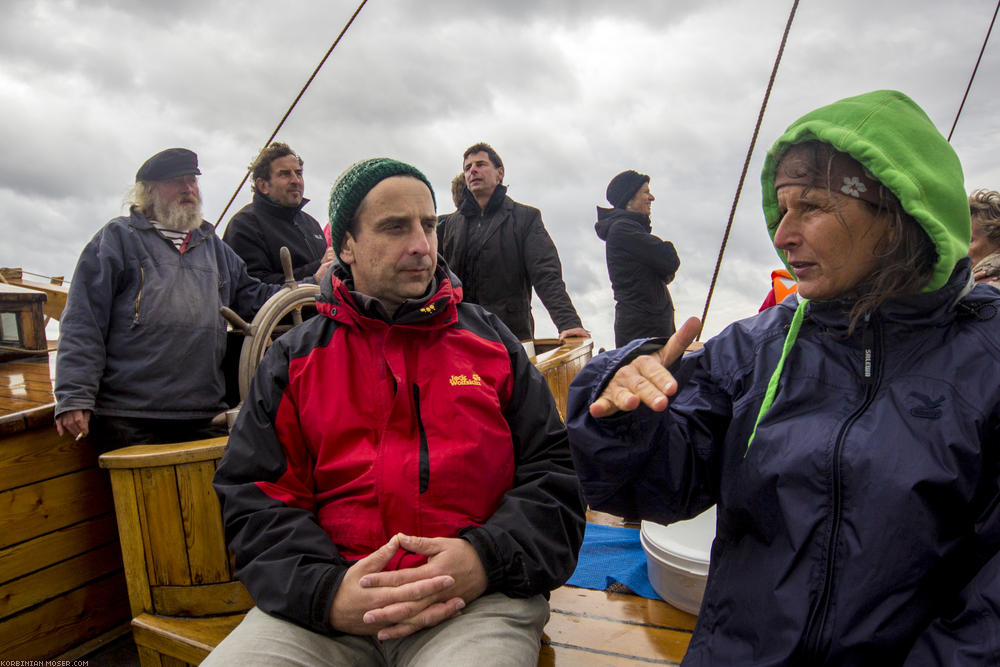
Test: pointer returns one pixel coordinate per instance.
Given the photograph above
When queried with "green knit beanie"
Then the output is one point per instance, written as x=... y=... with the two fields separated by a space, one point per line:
x=356 y=182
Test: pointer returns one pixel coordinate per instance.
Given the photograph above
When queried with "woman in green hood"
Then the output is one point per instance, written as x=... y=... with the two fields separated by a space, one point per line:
x=850 y=436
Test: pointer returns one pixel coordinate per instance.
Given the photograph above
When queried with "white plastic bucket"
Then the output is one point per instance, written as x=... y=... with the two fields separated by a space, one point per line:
x=677 y=558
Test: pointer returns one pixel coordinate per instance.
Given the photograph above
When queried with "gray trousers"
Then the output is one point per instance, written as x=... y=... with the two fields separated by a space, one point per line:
x=492 y=630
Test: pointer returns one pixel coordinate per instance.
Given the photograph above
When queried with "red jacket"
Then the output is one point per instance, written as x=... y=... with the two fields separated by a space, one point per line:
x=432 y=424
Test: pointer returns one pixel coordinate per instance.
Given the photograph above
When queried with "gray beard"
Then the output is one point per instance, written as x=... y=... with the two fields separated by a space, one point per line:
x=175 y=216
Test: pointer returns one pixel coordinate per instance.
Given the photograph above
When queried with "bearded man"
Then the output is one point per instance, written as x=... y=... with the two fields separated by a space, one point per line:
x=141 y=340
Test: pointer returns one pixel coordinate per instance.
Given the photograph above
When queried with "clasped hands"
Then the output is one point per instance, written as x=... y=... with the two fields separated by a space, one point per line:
x=646 y=379
x=397 y=603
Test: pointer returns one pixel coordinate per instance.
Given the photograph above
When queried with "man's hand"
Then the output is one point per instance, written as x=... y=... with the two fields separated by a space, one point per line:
x=646 y=379
x=390 y=610
x=325 y=262
x=449 y=558
x=75 y=423
x=578 y=332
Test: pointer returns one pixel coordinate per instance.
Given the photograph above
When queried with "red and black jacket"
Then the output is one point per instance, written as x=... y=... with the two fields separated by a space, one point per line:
x=359 y=425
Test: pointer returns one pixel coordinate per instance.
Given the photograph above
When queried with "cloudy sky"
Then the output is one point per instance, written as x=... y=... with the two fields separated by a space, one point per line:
x=570 y=92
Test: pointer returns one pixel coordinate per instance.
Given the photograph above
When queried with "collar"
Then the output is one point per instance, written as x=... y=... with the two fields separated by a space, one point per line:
x=274 y=208
x=912 y=310
x=619 y=213
x=437 y=306
x=470 y=208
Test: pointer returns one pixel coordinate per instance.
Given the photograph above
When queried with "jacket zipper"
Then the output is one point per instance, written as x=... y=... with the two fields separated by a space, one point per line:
x=138 y=297
x=869 y=380
x=425 y=464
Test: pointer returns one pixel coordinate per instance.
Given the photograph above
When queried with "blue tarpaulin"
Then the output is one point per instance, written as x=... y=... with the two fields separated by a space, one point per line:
x=609 y=555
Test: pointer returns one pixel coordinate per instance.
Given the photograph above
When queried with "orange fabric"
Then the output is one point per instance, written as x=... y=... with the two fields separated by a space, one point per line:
x=782 y=284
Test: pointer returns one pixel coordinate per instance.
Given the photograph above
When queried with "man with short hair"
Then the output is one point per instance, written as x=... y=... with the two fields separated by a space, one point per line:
x=141 y=339
x=397 y=488
x=500 y=250
x=274 y=218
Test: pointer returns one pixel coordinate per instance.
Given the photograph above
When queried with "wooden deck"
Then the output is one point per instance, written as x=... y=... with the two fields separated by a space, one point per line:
x=589 y=628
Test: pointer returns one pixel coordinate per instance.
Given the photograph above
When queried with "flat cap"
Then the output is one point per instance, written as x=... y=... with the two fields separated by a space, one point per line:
x=169 y=163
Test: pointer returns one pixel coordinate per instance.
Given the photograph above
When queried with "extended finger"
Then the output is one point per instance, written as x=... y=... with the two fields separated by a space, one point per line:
x=680 y=341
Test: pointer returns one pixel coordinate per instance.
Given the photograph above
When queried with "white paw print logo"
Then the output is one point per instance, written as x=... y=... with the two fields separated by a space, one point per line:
x=853 y=186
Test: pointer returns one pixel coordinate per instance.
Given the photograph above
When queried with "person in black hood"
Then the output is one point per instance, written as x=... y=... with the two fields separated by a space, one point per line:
x=640 y=264
x=275 y=218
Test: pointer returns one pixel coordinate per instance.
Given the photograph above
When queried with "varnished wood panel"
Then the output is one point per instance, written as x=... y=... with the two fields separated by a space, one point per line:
x=208 y=557
x=609 y=637
x=127 y=511
x=25 y=384
x=188 y=639
x=41 y=552
x=38 y=454
x=572 y=656
x=166 y=557
x=151 y=456
x=29 y=511
x=619 y=607
x=205 y=600
x=53 y=627
x=51 y=582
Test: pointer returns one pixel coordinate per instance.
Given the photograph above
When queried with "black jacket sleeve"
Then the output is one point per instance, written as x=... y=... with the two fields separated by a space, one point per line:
x=541 y=260
x=286 y=560
x=530 y=544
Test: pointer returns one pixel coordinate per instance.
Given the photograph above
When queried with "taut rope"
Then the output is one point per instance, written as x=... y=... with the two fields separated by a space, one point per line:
x=292 y=106
x=974 y=69
x=746 y=163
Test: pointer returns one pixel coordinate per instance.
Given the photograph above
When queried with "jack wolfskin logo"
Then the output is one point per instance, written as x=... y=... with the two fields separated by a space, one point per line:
x=931 y=408
x=428 y=309
x=462 y=380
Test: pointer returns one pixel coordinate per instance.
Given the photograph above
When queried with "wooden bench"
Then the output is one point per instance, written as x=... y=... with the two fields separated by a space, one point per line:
x=184 y=598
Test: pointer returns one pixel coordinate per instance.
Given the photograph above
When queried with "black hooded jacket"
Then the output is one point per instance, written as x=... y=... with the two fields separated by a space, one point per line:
x=640 y=266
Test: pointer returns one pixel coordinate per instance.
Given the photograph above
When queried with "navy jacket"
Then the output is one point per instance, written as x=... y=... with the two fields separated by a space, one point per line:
x=862 y=526
x=141 y=335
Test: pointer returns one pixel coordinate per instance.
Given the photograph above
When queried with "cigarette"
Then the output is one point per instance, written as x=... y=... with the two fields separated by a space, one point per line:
x=79 y=435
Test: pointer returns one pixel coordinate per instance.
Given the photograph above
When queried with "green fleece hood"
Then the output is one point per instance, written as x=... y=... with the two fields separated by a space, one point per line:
x=893 y=139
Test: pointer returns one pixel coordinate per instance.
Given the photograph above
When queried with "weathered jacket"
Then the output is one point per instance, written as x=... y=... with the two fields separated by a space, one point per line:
x=259 y=230
x=500 y=254
x=141 y=335
x=640 y=266
x=358 y=426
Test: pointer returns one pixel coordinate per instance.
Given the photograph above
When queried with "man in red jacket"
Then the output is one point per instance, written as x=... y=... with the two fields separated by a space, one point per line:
x=398 y=487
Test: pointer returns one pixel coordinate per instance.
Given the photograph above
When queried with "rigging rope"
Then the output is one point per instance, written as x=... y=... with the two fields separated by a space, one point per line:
x=292 y=106
x=746 y=163
x=974 y=69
